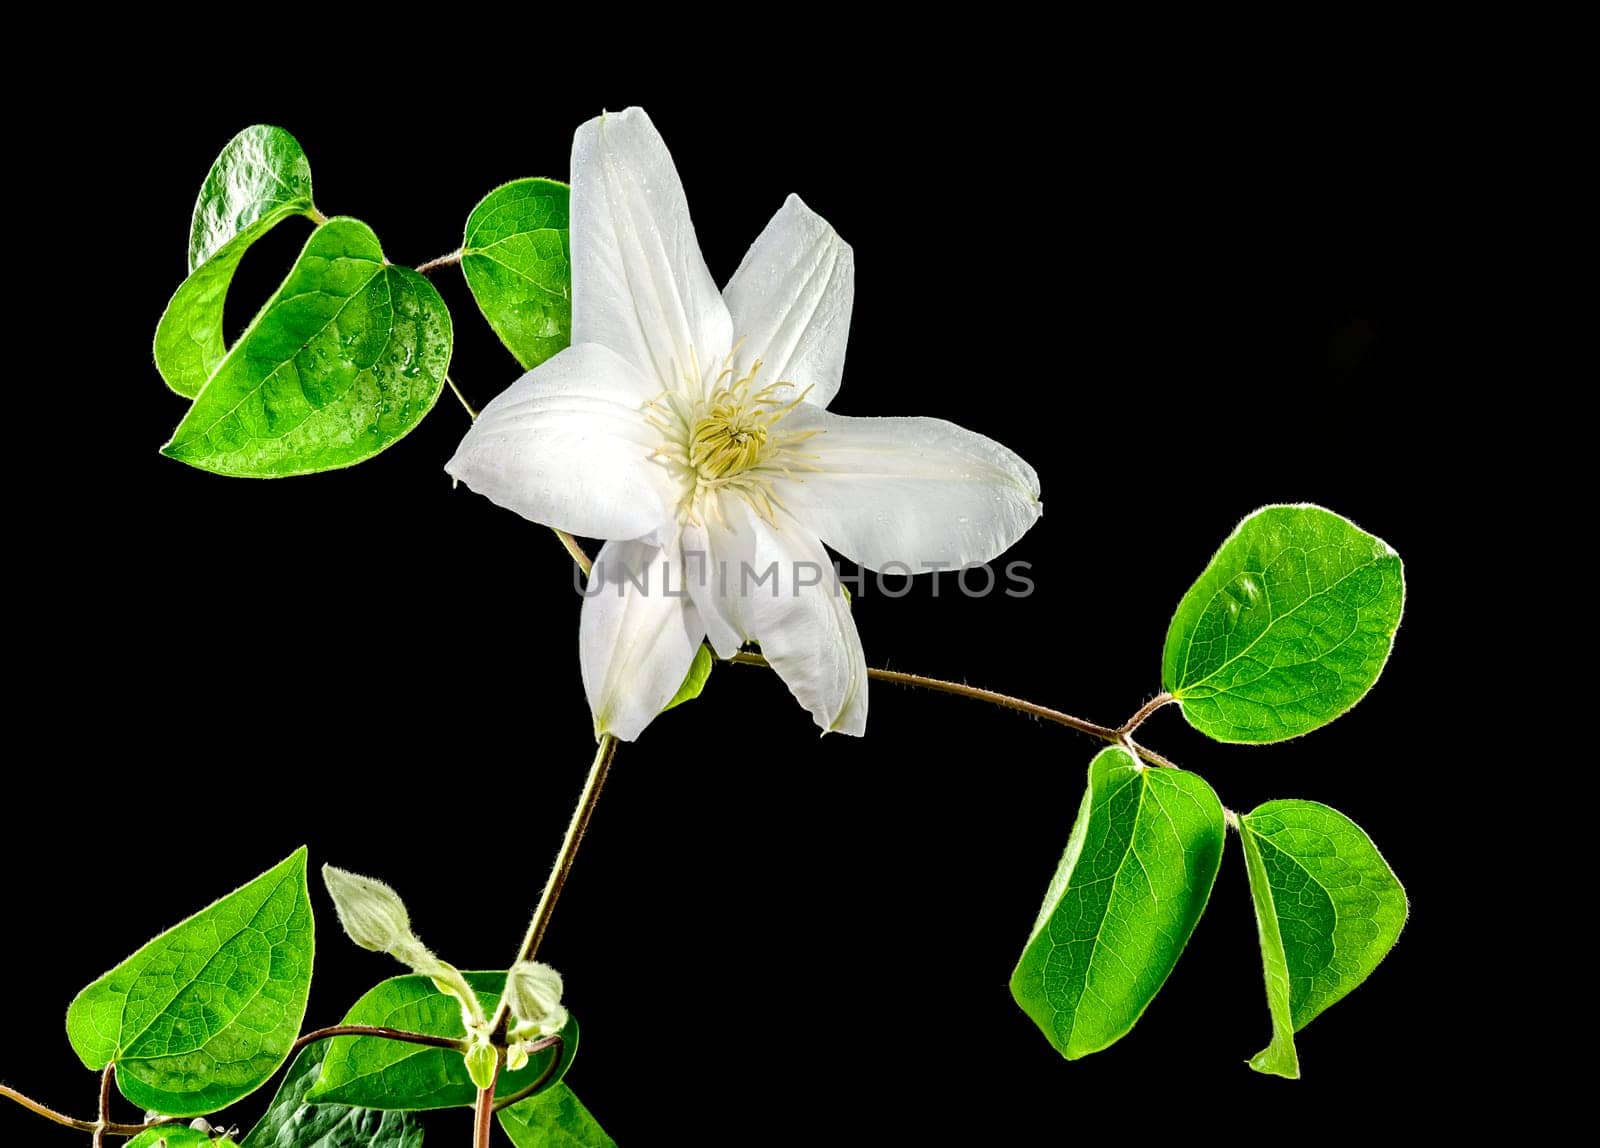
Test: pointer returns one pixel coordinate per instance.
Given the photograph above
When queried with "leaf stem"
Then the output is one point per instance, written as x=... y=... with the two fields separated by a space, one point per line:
x=94 y=1126
x=461 y=398
x=576 y=551
x=1006 y=701
x=443 y=261
x=104 y=1125
x=1144 y=711
x=604 y=753
x=448 y=1042
x=483 y=1110
x=105 y=1104
x=555 y=1062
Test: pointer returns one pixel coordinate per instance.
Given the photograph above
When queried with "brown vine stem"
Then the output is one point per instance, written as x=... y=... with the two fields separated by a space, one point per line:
x=104 y=1120
x=528 y=1090
x=448 y=1042
x=104 y=1124
x=71 y=1121
x=483 y=1110
x=1144 y=711
x=961 y=689
x=443 y=261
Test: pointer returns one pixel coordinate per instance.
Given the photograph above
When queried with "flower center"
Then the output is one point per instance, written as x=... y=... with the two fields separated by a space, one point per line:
x=726 y=441
x=729 y=441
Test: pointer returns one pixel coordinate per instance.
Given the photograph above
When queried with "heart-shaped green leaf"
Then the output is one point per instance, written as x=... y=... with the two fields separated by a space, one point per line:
x=374 y=1073
x=1288 y=627
x=343 y=362
x=1328 y=909
x=516 y=261
x=1130 y=888
x=260 y=179
x=207 y=1011
x=553 y=1118
x=293 y=1122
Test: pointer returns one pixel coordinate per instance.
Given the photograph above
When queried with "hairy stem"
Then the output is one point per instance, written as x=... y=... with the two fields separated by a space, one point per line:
x=543 y=1078
x=1144 y=711
x=443 y=261
x=448 y=1042
x=603 y=755
x=105 y=1104
x=1006 y=701
x=65 y=1121
x=483 y=1110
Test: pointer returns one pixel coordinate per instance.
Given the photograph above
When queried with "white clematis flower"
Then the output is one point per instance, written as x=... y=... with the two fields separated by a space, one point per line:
x=690 y=427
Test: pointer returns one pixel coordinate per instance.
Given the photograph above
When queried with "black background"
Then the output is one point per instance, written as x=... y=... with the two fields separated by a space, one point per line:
x=1176 y=304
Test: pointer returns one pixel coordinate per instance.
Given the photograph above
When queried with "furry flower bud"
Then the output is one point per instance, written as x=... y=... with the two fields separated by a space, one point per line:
x=533 y=992
x=372 y=914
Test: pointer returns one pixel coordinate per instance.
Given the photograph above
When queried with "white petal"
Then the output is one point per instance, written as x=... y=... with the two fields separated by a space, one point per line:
x=567 y=445
x=639 y=283
x=637 y=636
x=798 y=612
x=791 y=301
x=917 y=491
x=710 y=565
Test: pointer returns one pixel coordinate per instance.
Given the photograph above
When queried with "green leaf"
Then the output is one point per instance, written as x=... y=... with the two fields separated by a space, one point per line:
x=343 y=361
x=1328 y=909
x=292 y=1122
x=206 y=1012
x=176 y=1136
x=1280 y=1057
x=553 y=1119
x=1288 y=627
x=695 y=681
x=516 y=261
x=1129 y=890
x=262 y=170
x=260 y=179
x=374 y=1073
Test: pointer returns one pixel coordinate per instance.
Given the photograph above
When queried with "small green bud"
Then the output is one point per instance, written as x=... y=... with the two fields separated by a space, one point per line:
x=533 y=993
x=516 y=1057
x=372 y=914
x=481 y=1059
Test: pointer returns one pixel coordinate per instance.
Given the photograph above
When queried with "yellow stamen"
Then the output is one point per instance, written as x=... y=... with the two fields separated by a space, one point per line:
x=729 y=441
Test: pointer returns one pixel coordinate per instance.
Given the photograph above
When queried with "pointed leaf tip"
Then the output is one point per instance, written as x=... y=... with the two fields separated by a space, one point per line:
x=1130 y=888
x=1328 y=910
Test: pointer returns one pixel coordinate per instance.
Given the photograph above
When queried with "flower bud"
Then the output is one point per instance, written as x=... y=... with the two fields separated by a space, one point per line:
x=516 y=1057
x=372 y=913
x=533 y=993
x=481 y=1059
